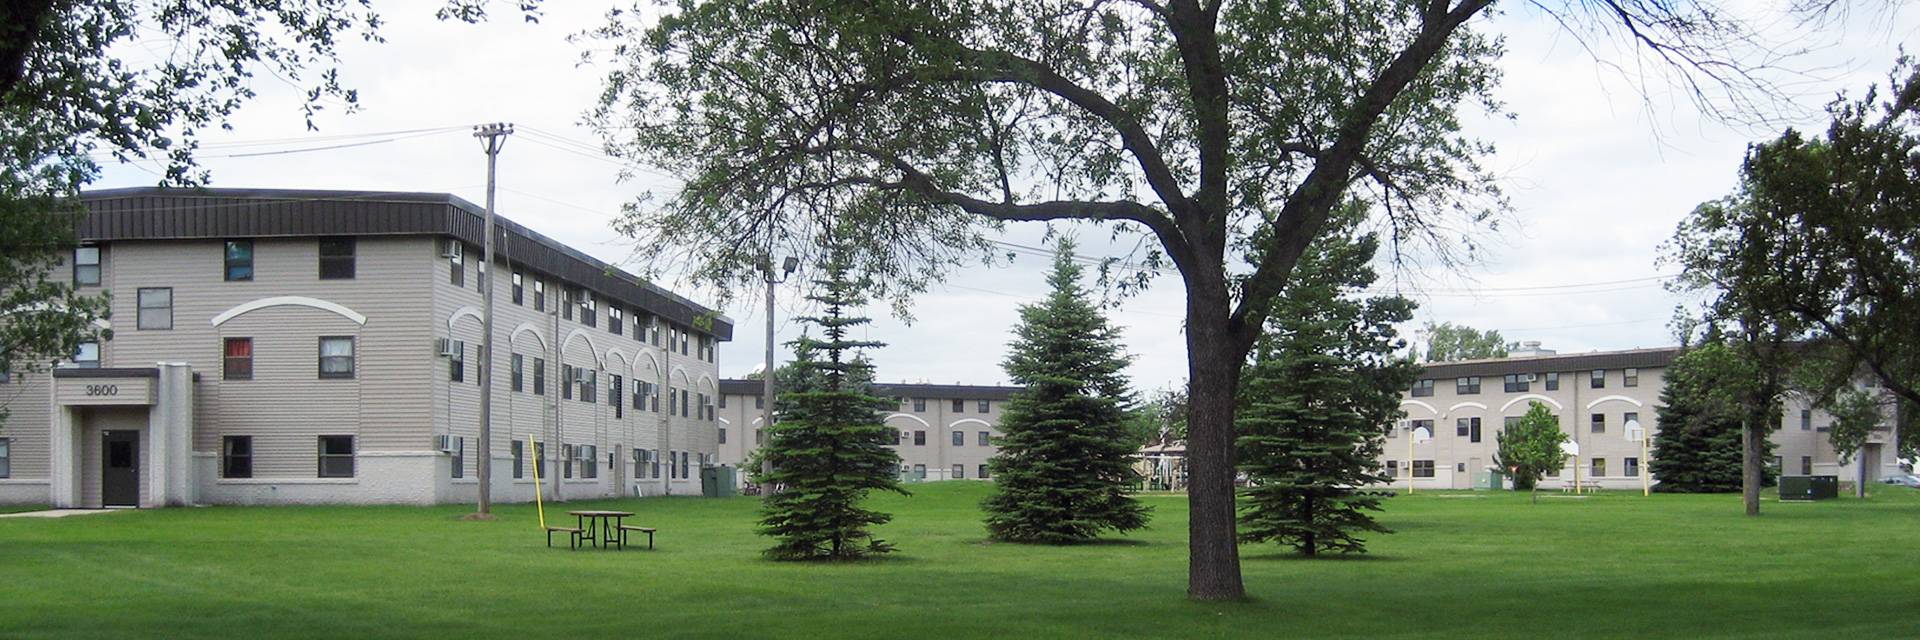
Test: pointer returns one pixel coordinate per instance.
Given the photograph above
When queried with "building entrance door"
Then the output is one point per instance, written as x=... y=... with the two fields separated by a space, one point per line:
x=120 y=468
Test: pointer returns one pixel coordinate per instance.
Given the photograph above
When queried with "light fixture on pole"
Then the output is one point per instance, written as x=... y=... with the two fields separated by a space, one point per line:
x=492 y=137
x=789 y=265
x=1637 y=433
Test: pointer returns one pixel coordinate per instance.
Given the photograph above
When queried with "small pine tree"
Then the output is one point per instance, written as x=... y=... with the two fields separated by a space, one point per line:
x=1697 y=448
x=1322 y=383
x=1530 y=448
x=829 y=448
x=1065 y=465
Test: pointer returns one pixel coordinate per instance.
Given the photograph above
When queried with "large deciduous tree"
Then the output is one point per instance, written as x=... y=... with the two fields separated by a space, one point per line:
x=1323 y=384
x=1529 y=449
x=1065 y=465
x=1220 y=129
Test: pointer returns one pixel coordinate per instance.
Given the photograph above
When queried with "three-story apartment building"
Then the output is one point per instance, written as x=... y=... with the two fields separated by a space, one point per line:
x=279 y=346
x=1463 y=405
x=943 y=432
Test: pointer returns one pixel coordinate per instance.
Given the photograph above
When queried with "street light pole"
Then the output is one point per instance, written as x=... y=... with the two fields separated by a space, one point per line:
x=766 y=378
x=492 y=137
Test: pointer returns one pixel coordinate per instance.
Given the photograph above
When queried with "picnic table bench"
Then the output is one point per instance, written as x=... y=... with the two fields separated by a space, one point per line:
x=634 y=527
x=1584 y=485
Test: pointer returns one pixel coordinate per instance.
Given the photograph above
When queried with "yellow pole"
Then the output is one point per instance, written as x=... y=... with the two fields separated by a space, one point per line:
x=537 y=504
x=1576 y=474
x=1409 y=462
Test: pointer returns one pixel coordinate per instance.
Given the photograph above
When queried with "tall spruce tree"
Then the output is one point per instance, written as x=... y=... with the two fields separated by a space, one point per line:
x=1697 y=448
x=1313 y=403
x=829 y=447
x=1066 y=458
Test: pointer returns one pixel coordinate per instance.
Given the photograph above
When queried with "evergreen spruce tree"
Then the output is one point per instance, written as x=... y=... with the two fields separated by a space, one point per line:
x=1697 y=448
x=1066 y=458
x=1322 y=385
x=829 y=447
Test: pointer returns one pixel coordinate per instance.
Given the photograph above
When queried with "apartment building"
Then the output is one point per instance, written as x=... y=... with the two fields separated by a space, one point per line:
x=283 y=346
x=944 y=431
x=1595 y=396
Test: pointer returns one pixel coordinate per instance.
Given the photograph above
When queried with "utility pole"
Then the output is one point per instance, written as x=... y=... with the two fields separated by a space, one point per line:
x=492 y=137
x=766 y=380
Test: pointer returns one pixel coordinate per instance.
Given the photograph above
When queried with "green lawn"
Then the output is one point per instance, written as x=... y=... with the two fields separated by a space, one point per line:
x=1461 y=565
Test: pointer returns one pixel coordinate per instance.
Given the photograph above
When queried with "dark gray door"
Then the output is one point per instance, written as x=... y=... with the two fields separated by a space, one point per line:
x=120 y=469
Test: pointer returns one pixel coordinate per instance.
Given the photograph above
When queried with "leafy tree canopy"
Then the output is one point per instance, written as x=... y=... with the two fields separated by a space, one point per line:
x=1529 y=449
x=1447 y=342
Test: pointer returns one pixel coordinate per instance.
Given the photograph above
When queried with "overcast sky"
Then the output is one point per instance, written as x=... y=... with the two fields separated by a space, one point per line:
x=1598 y=177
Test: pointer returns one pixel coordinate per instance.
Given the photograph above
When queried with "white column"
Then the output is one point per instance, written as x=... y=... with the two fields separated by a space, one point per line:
x=63 y=448
x=170 y=433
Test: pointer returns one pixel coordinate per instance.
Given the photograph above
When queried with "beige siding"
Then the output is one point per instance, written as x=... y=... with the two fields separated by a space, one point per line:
x=26 y=426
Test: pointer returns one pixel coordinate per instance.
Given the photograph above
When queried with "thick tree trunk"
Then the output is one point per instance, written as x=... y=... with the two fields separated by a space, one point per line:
x=1213 y=365
x=1750 y=478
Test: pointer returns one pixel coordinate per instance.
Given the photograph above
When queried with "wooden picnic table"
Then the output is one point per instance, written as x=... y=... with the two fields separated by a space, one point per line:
x=599 y=526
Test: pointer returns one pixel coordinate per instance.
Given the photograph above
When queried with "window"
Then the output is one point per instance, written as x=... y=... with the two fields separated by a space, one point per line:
x=653 y=330
x=1630 y=417
x=86 y=266
x=589 y=381
x=1630 y=467
x=723 y=401
x=1597 y=379
x=566 y=382
x=986 y=439
x=238 y=361
x=457 y=361
x=1806 y=419
x=540 y=460
x=959 y=438
x=616 y=396
x=983 y=472
x=1422 y=388
x=515 y=373
x=1466 y=386
x=959 y=406
x=653 y=459
x=539 y=376
x=1553 y=381
x=336 y=456
x=722 y=435
x=6 y=457
x=1421 y=424
x=683 y=464
x=539 y=295
x=589 y=460
x=1423 y=468
x=336 y=258
x=568 y=300
x=1509 y=422
x=459 y=457
x=1630 y=378
x=519 y=287
x=759 y=402
x=616 y=322
x=919 y=405
x=589 y=313
x=519 y=449
x=1599 y=423
x=239 y=260
x=1468 y=428
x=336 y=357
x=985 y=406
x=1459 y=467
x=1806 y=465
x=1598 y=468
x=920 y=438
x=1393 y=468
x=87 y=355
x=156 y=308
x=683 y=403
x=673 y=401
x=567 y=456
x=920 y=472
x=236 y=457
x=456 y=264
x=1515 y=383
x=959 y=472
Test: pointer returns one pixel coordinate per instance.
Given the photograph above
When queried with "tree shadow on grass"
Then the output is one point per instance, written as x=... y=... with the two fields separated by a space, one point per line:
x=1097 y=542
x=1282 y=556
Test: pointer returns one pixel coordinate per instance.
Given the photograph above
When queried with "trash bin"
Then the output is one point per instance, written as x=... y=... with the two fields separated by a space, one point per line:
x=1489 y=479
x=718 y=482
x=1809 y=487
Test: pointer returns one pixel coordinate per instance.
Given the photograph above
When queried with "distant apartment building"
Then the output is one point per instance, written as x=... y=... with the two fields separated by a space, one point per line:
x=942 y=431
x=278 y=346
x=1464 y=405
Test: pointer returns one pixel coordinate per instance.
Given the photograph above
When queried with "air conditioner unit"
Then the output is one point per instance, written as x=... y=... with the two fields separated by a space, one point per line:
x=449 y=248
x=1529 y=377
x=443 y=444
x=443 y=347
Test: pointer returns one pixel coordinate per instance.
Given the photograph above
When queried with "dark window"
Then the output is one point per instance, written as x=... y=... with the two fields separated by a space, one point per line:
x=1466 y=386
x=722 y=435
x=1599 y=421
x=1423 y=468
x=1417 y=425
x=673 y=401
x=1630 y=467
x=239 y=260
x=336 y=456
x=519 y=459
x=1806 y=465
x=539 y=295
x=589 y=384
x=87 y=355
x=1629 y=418
x=919 y=405
x=1597 y=379
x=759 y=402
x=920 y=471
x=1806 y=419
x=156 y=308
x=653 y=330
x=616 y=323
x=567 y=456
x=959 y=438
x=985 y=406
x=1553 y=381
x=1630 y=378
x=1599 y=468
x=236 y=457
x=986 y=439
x=456 y=264
x=920 y=438
x=683 y=403
x=539 y=376
x=566 y=381
x=86 y=266
x=959 y=406
x=1422 y=388
x=568 y=301
x=459 y=465
x=983 y=472
x=515 y=376
x=1516 y=383
x=336 y=357
x=1468 y=428
x=616 y=396
x=457 y=361
x=959 y=472
x=336 y=258
x=540 y=459
x=238 y=361
x=589 y=460
x=589 y=314
x=723 y=401
x=519 y=288
x=683 y=464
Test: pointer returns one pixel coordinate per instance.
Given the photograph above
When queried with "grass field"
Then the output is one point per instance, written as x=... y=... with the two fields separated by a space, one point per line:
x=1461 y=565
